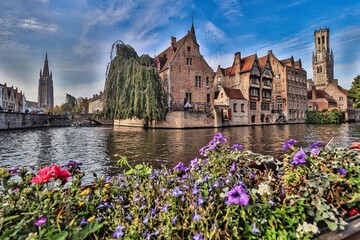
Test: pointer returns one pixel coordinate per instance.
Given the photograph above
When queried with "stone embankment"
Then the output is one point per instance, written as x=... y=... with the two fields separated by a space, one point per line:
x=23 y=120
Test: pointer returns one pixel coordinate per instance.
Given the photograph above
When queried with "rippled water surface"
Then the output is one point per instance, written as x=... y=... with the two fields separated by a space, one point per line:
x=95 y=147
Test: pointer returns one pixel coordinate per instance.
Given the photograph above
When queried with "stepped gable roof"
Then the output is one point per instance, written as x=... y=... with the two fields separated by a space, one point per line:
x=322 y=94
x=234 y=93
x=168 y=54
x=287 y=61
x=247 y=63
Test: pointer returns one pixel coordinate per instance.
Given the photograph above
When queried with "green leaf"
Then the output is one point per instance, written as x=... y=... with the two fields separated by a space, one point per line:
x=61 y=235
x=331 y=225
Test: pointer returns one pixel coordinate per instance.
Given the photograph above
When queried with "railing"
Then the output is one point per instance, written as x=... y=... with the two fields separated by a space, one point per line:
x=194 y=106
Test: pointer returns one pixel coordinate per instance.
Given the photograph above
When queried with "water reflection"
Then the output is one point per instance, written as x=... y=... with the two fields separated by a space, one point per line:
x=95 y=147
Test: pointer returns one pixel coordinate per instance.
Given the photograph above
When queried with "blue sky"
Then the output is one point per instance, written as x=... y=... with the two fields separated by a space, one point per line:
x=77 y=35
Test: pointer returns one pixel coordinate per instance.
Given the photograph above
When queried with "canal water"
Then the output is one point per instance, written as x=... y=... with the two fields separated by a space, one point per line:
x=96 y=147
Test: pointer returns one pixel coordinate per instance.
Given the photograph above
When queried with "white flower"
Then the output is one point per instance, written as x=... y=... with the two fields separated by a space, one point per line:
x=263 y=189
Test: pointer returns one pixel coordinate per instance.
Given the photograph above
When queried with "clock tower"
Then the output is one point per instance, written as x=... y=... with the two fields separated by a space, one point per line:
x=322 y=59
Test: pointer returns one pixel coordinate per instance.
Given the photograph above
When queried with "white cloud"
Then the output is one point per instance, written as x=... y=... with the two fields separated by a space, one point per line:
x=231 y=9
x=33 y=24
x=214 y=32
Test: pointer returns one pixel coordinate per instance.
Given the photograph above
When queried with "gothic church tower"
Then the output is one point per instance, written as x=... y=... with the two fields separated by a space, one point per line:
x=322 y=59
x=46 y=88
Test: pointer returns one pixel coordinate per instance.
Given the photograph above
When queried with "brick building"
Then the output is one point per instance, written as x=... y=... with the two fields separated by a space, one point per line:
x=254 y=78
x=96 y=103
x=232 y=106
x=11 y=99
x=319 y=100
x=289 y=93
x=185 y=74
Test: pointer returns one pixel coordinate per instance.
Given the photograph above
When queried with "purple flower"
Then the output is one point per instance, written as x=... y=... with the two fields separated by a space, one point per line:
x=194 y=162
x=119 y=231
x=13 y=171
x=128 y=217
x=289 y=144
x=216 y=184
x=203 y=150
x=317 y=145
x=299 y=158
x=200 y=201
x=84 y=222
x=198 y=237
x=40 y=221
x=196 y=216
x=146 y=220
x=255 y=229
x=195 y=191
x=173 y=221
x=233 y=167
x=218 y=138
x=73 y=164
x=271 y=202
x=176 y=192
x=238 y=195
x=180 y=167
x=315 y=151
x=238 y=147
x=165 y=208
x=342 y=171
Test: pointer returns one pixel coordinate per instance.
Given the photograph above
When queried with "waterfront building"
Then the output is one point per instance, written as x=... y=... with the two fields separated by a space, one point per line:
x=46 y=88
x=185 y=75
x=253 y=77
x=319 y=100
x=232 y=106
x=289 y=95
x=11 y=99
x=96 y=103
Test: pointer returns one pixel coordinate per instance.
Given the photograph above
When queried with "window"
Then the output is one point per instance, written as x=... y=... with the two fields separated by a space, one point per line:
x=252 y=105
x=188 y=97
x=234 y=107
x=207 y=81
x=221 y=95
x=242 y=107
x=189 y=61
x=323 y=39
x=254 y=92
x=267 y=82
x=208 y=98
x=341 y=99
x=255 y=81
x=265 y=106
x=198 y=81
x=318 y=40
x=188 y=49
x=277 y=76
x=266 y=94
x=219 y=78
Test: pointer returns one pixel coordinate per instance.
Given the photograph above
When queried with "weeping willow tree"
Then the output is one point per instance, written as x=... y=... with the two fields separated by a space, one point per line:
x=133 y=88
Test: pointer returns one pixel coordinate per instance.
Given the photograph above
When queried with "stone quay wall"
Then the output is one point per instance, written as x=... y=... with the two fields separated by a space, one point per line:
x=23 y=120
x=177 y=119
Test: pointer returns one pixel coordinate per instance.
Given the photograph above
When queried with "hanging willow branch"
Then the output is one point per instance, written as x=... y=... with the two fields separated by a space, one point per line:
x=133 y=88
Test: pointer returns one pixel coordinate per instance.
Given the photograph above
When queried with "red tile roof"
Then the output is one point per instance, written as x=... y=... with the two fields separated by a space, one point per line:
x=262 y=62
x=234 y=93
x=247 y=63
x=322 y=94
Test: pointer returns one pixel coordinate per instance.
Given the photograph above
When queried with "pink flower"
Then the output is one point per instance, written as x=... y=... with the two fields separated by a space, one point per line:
x=59 y=173
x=43 y=176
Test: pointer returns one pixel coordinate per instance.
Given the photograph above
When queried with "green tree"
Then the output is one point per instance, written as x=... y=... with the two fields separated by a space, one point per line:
x=354 y=92
x=69 y=104
x=133 y=88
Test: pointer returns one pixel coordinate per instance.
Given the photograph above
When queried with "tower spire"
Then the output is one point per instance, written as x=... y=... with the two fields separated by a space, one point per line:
x=192 y=31
x=46 y=67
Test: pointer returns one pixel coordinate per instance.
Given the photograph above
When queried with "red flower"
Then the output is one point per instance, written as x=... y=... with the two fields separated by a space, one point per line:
x=353 y=212
x=59 y=173
x=43 y=176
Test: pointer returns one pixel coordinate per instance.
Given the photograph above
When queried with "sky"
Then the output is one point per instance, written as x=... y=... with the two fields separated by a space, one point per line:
x=77 y=35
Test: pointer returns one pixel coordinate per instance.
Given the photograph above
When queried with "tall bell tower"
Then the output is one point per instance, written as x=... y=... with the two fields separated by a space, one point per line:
x=46 y=88
x=322 y=59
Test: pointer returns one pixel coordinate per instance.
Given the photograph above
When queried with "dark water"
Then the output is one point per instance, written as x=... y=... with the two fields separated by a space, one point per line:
x=95 y=147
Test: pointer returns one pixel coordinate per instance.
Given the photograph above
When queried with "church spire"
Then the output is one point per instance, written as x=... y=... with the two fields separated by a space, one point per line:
x=192 y=31
x=46 y=67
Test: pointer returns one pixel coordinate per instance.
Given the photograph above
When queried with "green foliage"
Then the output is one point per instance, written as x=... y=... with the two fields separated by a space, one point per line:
x=323 y=116
x=133 y=88
x=354 y=92
x=285 y=202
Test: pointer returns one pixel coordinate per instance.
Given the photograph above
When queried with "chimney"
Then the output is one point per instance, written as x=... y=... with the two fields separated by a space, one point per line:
x=313 y=93
x=270 y=52
x=237 y=58
x=173 y=40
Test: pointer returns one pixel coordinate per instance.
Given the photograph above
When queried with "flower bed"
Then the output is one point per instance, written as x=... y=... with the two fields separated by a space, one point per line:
x=228 y=193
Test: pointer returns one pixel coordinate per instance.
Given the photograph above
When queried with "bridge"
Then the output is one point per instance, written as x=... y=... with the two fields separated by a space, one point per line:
x=90 y=117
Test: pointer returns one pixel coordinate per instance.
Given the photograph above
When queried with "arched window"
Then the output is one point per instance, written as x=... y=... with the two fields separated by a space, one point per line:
x=318 y=40
x=323 y=39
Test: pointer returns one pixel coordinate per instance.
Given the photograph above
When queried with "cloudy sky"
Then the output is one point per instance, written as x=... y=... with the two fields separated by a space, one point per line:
x=78 y=35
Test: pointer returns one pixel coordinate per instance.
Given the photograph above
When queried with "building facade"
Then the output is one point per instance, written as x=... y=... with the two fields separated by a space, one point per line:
x=96 y=103
x=322 y=59
x=46 y=88
x=11 y=100
x=290 y=88
x=185 y=75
